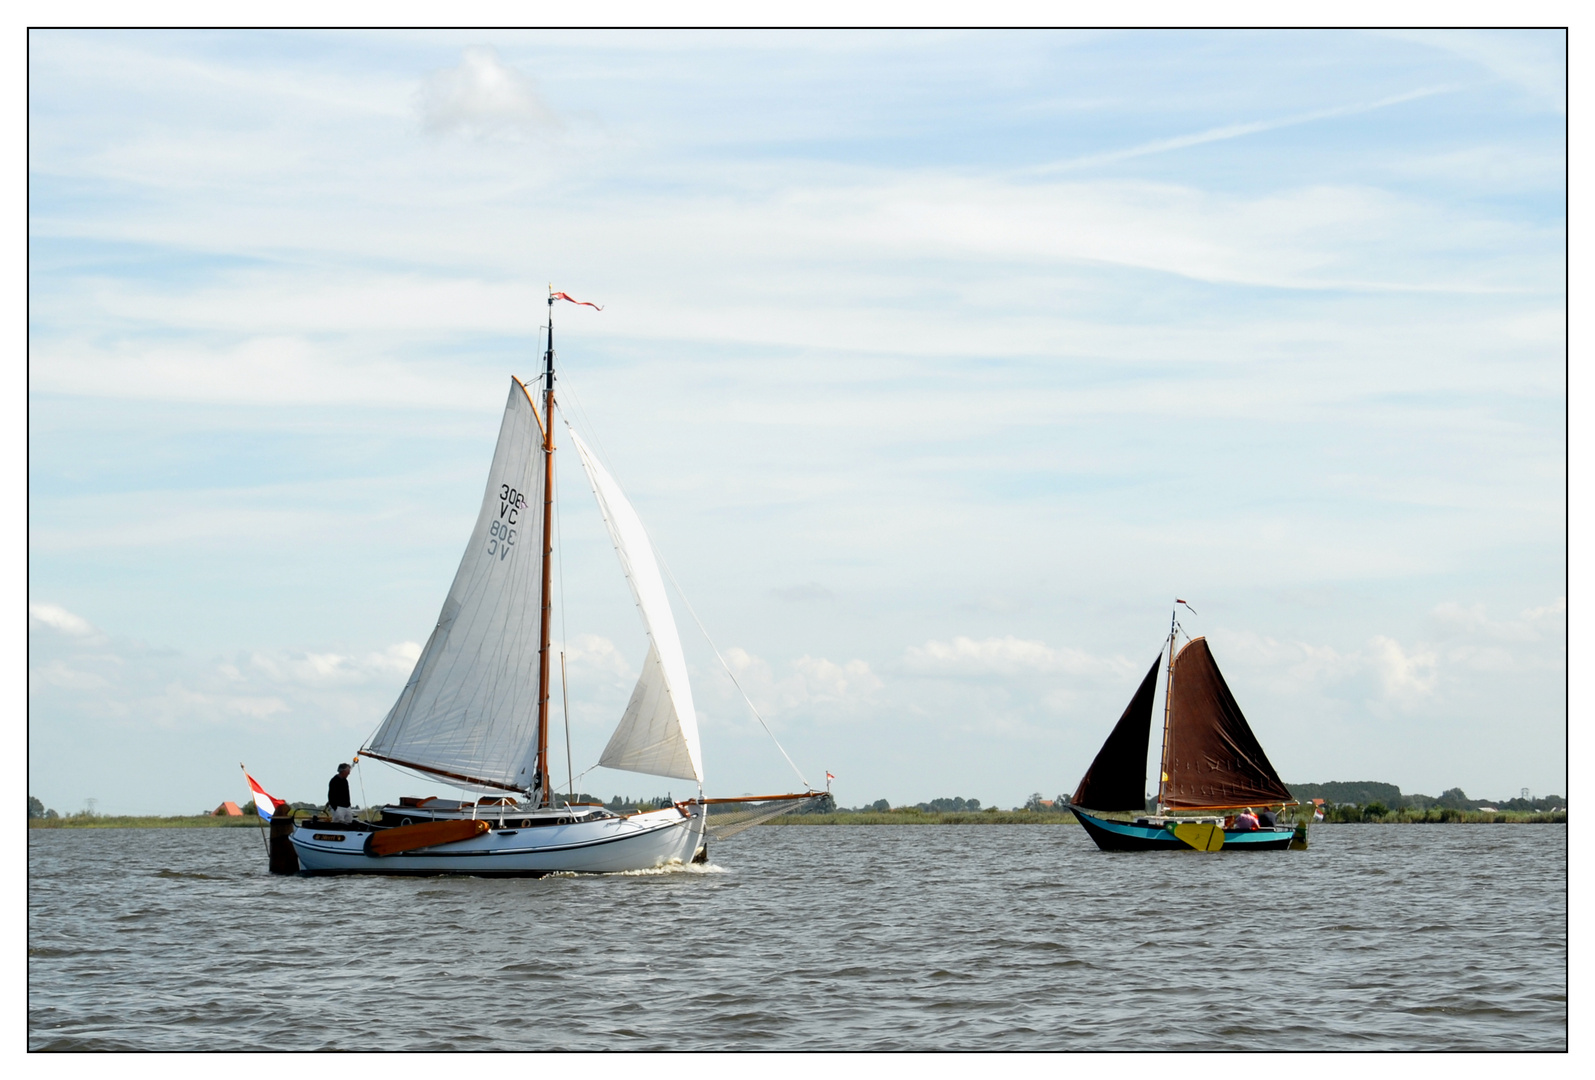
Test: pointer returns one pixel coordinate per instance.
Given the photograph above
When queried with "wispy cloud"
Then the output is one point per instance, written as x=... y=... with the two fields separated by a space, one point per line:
x=483 y=98
x=1232 y=131
x=59 y=618
x=1004 y=656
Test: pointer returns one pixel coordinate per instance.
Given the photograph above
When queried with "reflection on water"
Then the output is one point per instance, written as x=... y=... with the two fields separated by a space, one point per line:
x=1441 y=937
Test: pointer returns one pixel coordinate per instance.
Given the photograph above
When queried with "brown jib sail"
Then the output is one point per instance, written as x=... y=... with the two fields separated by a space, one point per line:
x=1116 y=779
x=1212 y=759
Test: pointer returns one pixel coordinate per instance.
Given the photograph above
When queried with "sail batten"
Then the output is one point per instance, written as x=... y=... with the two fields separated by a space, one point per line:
x=1213 y=759
x=658 y=733
x=468 y=710
x=1116 y=779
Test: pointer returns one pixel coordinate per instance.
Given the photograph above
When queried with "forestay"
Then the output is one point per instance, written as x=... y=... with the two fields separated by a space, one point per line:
x=658 y=734
x=469 y=709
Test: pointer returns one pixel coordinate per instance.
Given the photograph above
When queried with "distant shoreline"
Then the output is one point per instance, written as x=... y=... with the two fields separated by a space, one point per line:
x=1026 y=817
x=873 y=817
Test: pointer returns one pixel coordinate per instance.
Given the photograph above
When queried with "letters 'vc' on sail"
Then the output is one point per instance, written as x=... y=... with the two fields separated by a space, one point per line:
x=469 y=709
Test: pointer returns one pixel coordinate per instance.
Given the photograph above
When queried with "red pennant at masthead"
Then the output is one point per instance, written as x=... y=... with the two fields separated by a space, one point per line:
x=573 y=300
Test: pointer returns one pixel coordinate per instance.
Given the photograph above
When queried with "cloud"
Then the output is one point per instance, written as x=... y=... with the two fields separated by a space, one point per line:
x=1009 y=656
x=821 y=680
x=1533 y=60
x=1386 y=672
x=80 y=674
x=483 y=98
x=1407 y=676
x=321 y=668
x=1533 y=624
x=597 y=654
x=1235 y=131
x=60 y=619
x=809 y=681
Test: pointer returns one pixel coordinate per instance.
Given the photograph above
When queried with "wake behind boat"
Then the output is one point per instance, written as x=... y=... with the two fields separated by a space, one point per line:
x=1211 y=762
x=474 y=712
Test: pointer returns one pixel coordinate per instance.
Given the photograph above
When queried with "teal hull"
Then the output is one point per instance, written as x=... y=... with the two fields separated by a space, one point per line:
x=1128 y=836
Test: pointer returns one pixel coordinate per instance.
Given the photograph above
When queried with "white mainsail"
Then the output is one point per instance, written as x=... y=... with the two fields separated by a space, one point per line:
x=469 y=709
x=658 y=734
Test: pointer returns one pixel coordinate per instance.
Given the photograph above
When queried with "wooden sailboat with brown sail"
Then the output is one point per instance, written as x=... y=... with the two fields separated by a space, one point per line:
x=1211 y=763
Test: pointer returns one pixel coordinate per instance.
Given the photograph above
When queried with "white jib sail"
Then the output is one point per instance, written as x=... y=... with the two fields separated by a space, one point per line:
x=469 y=710
x=658 y=734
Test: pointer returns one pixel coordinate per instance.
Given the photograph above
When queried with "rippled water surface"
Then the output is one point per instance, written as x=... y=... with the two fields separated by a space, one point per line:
x=866 y=937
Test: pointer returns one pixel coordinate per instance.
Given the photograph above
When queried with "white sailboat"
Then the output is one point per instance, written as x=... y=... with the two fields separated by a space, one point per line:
x=474 y=712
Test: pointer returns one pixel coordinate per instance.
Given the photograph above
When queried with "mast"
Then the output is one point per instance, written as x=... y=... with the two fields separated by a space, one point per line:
x=544 y=794
x=1168 y=701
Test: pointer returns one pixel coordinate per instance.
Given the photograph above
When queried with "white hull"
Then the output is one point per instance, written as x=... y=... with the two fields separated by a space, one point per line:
x=597 y=846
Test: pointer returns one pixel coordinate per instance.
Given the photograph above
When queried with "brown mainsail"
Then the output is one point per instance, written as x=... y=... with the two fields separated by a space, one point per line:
x=1116 y=779
x=1211 y=758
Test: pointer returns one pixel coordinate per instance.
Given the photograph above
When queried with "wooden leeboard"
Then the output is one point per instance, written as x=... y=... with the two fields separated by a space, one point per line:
x=427 y=834
x=1202 y=837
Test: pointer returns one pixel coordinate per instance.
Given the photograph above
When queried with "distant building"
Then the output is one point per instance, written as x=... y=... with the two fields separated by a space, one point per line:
x=1047 y=803
x=227 y=809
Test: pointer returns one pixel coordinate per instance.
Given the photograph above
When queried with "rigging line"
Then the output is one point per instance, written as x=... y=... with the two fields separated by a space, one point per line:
x=729 y=674
x=587 y=423
x=570 y=781
x=701 y=628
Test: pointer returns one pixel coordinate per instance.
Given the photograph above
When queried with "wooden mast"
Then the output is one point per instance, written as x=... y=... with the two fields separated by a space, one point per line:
x=1168 y=703
x=544 y=794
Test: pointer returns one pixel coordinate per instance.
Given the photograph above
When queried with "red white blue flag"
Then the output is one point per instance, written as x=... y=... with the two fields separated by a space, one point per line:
x=265 y=805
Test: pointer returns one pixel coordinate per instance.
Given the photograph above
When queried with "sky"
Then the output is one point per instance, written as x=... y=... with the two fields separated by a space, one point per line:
x=937 y=364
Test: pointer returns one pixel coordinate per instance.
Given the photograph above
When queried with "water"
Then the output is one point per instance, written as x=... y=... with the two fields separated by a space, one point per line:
x=1446 y=937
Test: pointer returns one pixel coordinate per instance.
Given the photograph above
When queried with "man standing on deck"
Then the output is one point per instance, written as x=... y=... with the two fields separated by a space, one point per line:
x=338 y=795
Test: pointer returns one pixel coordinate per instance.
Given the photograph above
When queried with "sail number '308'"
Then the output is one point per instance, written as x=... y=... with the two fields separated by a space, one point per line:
x=501 y=533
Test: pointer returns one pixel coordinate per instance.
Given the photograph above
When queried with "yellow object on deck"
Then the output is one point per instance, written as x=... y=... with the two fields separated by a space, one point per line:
x=1203 y=837
x=427 y=834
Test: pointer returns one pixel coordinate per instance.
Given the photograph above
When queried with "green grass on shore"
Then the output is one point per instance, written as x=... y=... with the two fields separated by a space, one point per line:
x=106 y=821
x=872 y=817
x=920 y=817
x=1438 y=816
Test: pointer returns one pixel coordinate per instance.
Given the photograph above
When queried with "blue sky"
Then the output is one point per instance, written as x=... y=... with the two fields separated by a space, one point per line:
x=938 y=365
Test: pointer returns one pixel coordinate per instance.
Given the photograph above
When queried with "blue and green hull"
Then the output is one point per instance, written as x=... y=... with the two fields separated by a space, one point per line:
x=1113 y=835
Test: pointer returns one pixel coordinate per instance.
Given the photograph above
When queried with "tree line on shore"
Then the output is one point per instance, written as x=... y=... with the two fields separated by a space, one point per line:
x=1342 y=801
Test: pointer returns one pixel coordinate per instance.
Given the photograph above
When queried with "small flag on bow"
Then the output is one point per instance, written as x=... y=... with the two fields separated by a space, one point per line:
x=265 y=805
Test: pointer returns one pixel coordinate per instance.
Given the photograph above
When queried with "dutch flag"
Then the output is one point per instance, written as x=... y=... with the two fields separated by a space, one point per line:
x=265 y=805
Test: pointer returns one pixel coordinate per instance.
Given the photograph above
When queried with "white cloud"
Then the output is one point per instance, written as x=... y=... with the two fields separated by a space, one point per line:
x=810 y=681
x=966 y=657
x=483 y=97
x=597 y=654
x=60 y=619
x=1534 y=60
x=1532 y=624
x=822 y=680
x=322 y=668
x=1407 y=676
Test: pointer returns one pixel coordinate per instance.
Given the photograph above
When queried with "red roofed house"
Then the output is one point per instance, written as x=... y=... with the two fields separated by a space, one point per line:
x=227 y=809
